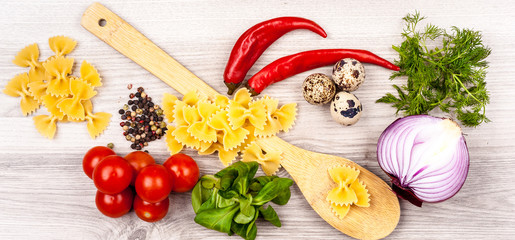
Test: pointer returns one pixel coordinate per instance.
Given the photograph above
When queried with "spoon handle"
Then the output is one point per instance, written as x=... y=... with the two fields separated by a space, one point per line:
x=120 y=35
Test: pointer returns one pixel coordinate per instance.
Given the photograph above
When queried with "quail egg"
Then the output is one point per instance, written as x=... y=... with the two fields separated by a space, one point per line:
x=348 y=74
x=346 y=108
x=318 y=89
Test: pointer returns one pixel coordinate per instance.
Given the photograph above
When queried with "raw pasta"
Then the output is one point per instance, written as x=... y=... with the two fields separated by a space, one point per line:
x=50 y=83
x=73 y=106
x=269 y=161
x=57 y=71
x=61 y=45
x=349 y=190
x=206 y=126
x=17 y=87
x=89 y=74
x=97 y=122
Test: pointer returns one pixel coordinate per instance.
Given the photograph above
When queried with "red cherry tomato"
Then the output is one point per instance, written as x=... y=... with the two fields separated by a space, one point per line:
x=184 y=170
x=154 y=183
x=93 y=157
x=151 y=212
x=138 y=160
x=115 y=205
x=112 y=175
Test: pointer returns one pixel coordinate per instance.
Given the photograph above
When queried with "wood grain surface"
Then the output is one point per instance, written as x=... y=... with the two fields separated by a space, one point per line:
x=45 y=195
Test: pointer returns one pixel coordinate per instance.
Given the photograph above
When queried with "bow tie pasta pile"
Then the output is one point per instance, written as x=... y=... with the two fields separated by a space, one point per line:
x=50 y=83
x=227 y=126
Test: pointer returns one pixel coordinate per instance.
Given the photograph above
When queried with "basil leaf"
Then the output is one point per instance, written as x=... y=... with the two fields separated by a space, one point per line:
x=270 y=215
x=219 y=219
x=271 y=190
x=199 y=195
x=222 y=202
x=209 y=203
x=283 y=197
x=209 y=181
x=242 y=218
x=246 y=172
x=245 y=206
x=246 y=231
x=263 y=180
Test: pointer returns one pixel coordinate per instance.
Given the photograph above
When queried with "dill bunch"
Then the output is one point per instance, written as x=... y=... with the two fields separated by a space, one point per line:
x=444 y=69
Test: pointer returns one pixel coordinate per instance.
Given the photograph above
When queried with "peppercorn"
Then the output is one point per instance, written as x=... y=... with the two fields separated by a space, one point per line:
x=138 y=147
x=135 y=102
x=130 y=102
x=143 y=95
x=133 y=146
x=125 y=107
x=156 y=106
x=133 y=114
x=125 y=128
x=140 y=89
x=138 y=94
x=129 y=86
x=110 y=145
x=162 y=125
x=121 y=111
x=122 y=124
x=134 y=107
x=123 y=117
x=131 y=95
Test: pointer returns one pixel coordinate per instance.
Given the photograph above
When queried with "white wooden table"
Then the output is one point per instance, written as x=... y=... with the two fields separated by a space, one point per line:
x=45 y=195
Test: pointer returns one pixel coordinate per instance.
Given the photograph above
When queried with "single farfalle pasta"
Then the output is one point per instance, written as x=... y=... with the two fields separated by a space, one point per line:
x=242 y=109
x=269 y=161
x=349 y=190
x=286 y=116
x=61 y=45
x=89 y=74
x=57 y=71
x=73 y=106
x=50 y=83
x=46 y=125
x=200 y=129
x=205 y=125
x=28 y=57
x=18 y=87
x=272 y=125
x=97 y=122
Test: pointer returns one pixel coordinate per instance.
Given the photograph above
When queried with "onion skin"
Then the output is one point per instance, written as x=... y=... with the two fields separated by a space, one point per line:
x=426 y=158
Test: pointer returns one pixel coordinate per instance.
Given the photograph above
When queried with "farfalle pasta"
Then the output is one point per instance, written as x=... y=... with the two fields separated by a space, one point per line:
x=18 y=87
x=226 y=126
x=349 y=190
x=61 y=45
x=73 y=106
x=50 y=83
x=269 y=161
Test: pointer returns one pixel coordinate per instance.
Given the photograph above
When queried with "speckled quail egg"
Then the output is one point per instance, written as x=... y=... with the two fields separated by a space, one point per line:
x=348 y=74
x=318 y=89
x=346 y=108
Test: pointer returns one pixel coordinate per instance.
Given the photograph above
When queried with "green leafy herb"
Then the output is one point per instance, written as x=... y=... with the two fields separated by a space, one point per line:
x=232 y=199
x=444 y=69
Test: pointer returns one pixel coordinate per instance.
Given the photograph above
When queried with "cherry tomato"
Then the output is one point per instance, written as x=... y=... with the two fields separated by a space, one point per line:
x=93 y=157
x=151 y=212
x=184 y=170
x=112 y=175
x=154 y=183
x=115 y=205
x=138 y=160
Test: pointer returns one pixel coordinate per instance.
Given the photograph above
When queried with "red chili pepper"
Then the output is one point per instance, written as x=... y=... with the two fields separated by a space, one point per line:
x=253 y=42
x=288 y=66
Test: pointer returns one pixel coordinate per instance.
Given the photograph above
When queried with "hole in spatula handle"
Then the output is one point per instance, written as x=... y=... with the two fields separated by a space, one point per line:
x=102 y=22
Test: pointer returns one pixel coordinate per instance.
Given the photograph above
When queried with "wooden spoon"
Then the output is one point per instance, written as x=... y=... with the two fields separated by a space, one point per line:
x=308 y=169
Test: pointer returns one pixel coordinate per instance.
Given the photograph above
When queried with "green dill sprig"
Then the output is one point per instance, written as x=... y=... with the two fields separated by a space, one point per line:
x=444 y=69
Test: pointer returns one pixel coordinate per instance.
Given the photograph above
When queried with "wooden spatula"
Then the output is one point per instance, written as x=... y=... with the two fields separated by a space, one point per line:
x=308 y=169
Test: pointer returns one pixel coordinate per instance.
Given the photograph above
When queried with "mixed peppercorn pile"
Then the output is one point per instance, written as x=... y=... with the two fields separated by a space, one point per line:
x=142 y=120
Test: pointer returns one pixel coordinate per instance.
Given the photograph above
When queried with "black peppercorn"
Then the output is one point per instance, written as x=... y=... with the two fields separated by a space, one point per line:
x=130 y=102
x=134 y=107
x=121 y=111
x=123 y=117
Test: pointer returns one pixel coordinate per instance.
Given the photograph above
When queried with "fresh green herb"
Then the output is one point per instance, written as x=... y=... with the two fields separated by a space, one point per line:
x=445 y=69
x=232 y=199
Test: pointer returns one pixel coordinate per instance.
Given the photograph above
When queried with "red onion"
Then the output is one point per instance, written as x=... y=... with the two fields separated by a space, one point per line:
x=426 y=158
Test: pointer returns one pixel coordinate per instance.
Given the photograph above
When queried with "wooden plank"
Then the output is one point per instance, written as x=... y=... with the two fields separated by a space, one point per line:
x=45 y=195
